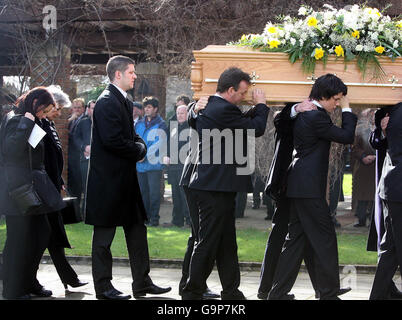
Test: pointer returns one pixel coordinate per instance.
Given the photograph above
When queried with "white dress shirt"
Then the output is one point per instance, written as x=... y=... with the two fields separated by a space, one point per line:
x=124 y=93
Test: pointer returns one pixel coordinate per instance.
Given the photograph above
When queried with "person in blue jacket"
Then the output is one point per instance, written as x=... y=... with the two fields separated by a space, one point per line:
x=153 y=130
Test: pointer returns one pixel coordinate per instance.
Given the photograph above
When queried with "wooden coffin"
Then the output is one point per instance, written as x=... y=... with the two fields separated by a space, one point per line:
x=283 y=81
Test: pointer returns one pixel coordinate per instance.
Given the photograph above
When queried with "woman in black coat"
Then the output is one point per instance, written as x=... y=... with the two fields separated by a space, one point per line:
x=27 y=232
x=54 y=168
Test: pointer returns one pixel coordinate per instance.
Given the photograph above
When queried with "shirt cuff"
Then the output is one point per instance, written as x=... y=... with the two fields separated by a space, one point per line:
x=293 y=112
x=346 y=109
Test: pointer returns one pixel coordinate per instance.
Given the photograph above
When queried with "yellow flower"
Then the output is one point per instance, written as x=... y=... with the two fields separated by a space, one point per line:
x=379 y=49
x=399 y=24
x=272 y=30
x=356 y=34
x=274 y=43
x=312 y=22
x=374 y=11
x=319 y=53
x=243 y=37
x=339 y=51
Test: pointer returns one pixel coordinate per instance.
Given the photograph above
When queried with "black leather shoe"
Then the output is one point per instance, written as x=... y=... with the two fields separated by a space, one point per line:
x=359 y=225
x=41 y=292
x=340 y=292
x=75 y=284
x=208 y=294
x=234 y=296
x=112 y=294
x=152 y=289
x=344 y=290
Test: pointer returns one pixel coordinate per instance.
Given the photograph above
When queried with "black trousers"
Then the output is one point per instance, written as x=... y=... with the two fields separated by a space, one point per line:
x=310 y=225
x=63 y=267
x=364 y=209
x=180 y=213
x=217 y=241
x=137 y=245
x=390 y=255
x=274 y=246
x=192 y=239
x=27 y=239
x=241 y=203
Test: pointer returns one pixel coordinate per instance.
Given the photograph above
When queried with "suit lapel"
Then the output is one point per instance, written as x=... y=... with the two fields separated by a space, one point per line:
x=125 y=106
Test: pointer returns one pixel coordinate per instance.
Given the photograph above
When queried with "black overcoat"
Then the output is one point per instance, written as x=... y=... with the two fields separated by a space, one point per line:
x=54 y=168
x=113 y=195
x=15 y=132
x=394 y=171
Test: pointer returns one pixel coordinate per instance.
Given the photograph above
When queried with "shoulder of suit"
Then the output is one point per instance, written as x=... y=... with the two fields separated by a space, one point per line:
x=314 y=114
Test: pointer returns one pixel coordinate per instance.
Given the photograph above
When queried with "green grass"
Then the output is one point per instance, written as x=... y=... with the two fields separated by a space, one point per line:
x=170 y=243
x=347 y=184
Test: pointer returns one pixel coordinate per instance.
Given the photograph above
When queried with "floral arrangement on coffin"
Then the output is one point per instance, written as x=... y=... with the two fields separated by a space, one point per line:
x=355 y=32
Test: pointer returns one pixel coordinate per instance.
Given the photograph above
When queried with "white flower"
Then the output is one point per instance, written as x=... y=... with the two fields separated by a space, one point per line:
x=302 y=11
x=396 y=44
x=374 y=36
x=359 y=47
x=328 y=6
x=293 y=41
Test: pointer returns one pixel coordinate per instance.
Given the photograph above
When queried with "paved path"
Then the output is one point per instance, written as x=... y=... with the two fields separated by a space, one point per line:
x=47 y=276
x=360 y=280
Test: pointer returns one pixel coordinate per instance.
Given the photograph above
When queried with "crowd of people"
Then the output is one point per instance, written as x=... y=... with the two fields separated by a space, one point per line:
x=119 y=149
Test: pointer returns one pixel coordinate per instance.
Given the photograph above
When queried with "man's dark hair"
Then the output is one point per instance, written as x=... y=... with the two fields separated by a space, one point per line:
x=153 y=101
x=183 y=98
x=117 y=63
x=327 y=86
x=231 y=78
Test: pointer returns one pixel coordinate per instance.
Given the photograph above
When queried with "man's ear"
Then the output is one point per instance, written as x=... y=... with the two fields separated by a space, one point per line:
x=231 y=90
x=117 y=75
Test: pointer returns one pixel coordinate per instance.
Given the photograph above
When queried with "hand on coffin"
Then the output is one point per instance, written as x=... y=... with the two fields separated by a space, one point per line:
x=344 y=102
x=201 y=104
x=306 y=105
x=259 y=96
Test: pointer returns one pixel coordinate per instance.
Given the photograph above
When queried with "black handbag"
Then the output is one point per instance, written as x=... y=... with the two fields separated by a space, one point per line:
x=25 y=197
x=71 y=212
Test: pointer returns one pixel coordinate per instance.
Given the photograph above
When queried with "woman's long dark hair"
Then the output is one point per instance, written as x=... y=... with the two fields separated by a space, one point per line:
x=27 y=103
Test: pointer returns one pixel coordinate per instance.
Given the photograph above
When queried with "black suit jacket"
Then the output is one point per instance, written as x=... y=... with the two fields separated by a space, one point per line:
x=221 y=115
x=312 y=135
x=390 y=184
x=275 y=186
x=83 y=135
x=113 y=194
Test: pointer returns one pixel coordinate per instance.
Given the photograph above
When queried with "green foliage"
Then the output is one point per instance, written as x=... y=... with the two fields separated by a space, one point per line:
x=170 y=243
